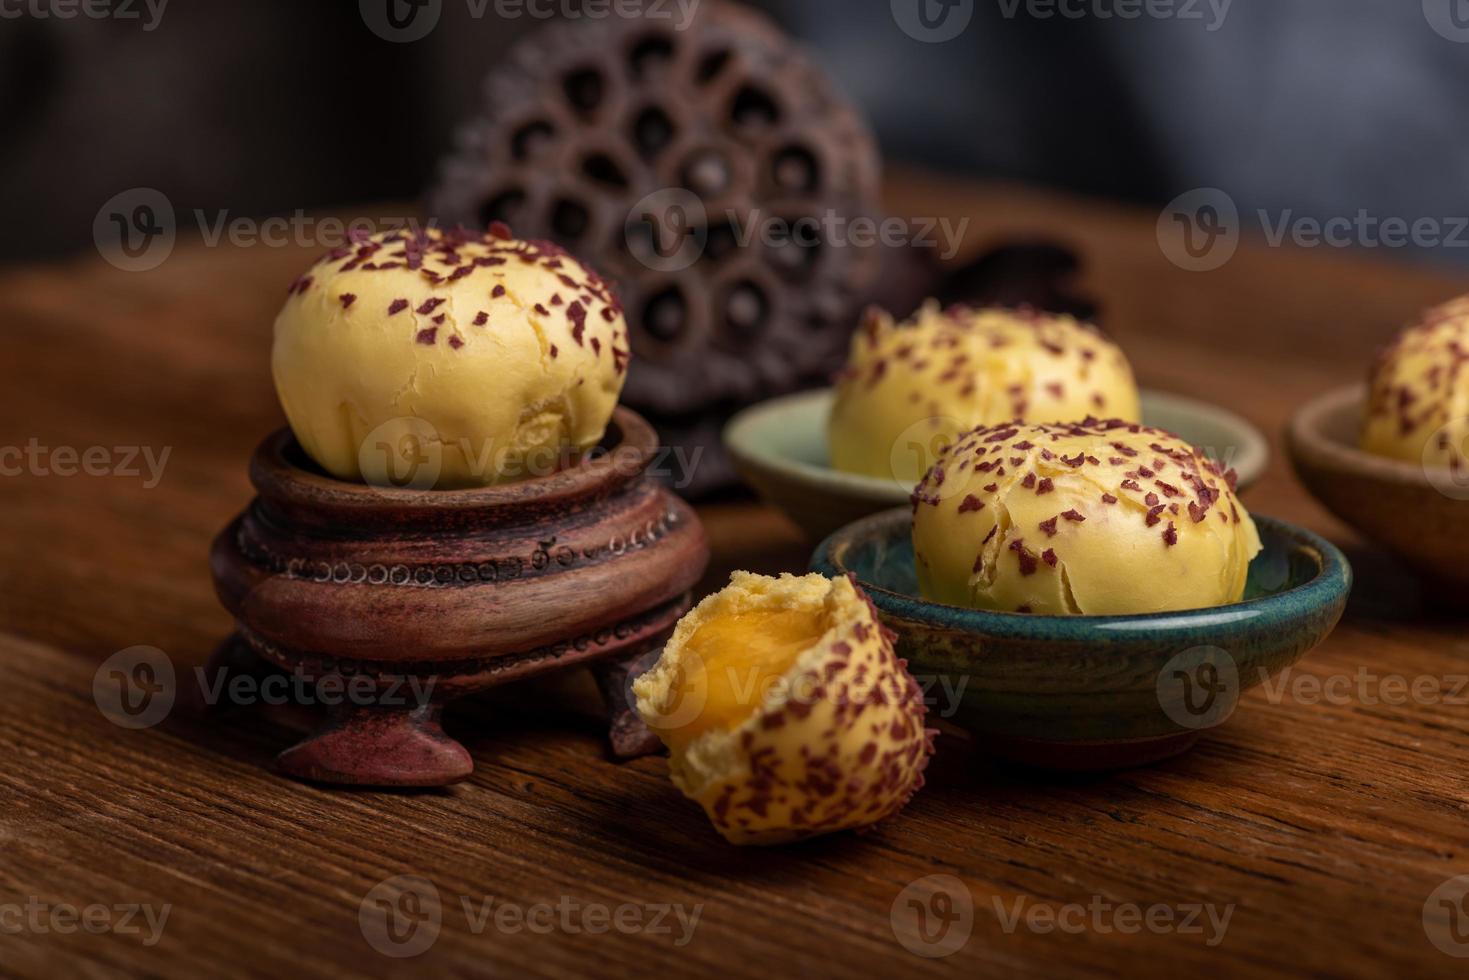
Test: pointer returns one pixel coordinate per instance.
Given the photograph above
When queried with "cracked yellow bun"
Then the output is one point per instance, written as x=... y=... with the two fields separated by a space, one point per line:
x=785 y=711
x=1418 y=398
x=909 y=388
x=1094 y=518
x=491 y=355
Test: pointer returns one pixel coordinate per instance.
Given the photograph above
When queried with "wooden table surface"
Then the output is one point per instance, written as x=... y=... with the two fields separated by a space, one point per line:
x=1320 y=826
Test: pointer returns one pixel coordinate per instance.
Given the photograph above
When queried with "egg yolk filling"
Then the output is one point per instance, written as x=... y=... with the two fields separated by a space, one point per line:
x=732 y=662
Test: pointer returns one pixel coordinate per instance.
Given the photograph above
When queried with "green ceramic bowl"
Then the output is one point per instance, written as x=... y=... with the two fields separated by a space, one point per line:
x=779 y=447
x=1096 y=692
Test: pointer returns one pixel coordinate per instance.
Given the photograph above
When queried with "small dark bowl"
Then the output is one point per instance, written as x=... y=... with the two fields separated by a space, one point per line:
x=1096 y=692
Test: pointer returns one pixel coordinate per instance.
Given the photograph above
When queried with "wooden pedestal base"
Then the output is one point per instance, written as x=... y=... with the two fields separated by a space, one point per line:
x=388 y=603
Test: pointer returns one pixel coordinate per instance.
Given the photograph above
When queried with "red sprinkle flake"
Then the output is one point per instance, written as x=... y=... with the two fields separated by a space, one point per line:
x=1049 y=557
x=577 y=314
x=1029 y=481
x=991 y=488
x=539 y=308
x=971 y=503
x=1073 y=516
x=455 y=342
x=397 y=306
x=1131 y=485
x=1049 y=526
x=1170 y=536
x=989 y=537
x=500 y=230
x=1151 y=499
x=497 y=292
x=347 y=300
x=441 y=318
x=481 y=319
x=429 y=305
x=428 y=335
x=1028 y=563
x=1196 y=512
x=1107 y=498
x=1153 y=517
x=1044 y=487
x=554 y=351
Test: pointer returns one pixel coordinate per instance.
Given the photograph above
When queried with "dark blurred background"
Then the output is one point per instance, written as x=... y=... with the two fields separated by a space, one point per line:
x=262 y=107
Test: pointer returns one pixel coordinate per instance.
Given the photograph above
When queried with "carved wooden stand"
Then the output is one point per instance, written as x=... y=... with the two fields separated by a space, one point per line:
x=361 y=591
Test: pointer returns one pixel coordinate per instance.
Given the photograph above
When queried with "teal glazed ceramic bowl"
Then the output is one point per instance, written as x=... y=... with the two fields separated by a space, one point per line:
x=1096 y=692
x=779 y=447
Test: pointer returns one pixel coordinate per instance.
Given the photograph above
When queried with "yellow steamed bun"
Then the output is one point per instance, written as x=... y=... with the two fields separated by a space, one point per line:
x=1418 y=400
x=1094 y=518
x=785 y=710
x=493 y=354
x=909 y=388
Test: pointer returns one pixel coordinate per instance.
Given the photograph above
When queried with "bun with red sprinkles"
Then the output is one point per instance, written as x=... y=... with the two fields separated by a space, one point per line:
x=1094 y=518
x=492 y=355
x=786 y=712
x=911 y=387
x=1418 y=399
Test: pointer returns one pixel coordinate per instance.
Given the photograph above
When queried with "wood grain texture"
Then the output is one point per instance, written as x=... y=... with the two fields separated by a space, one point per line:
x=1325 y=822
